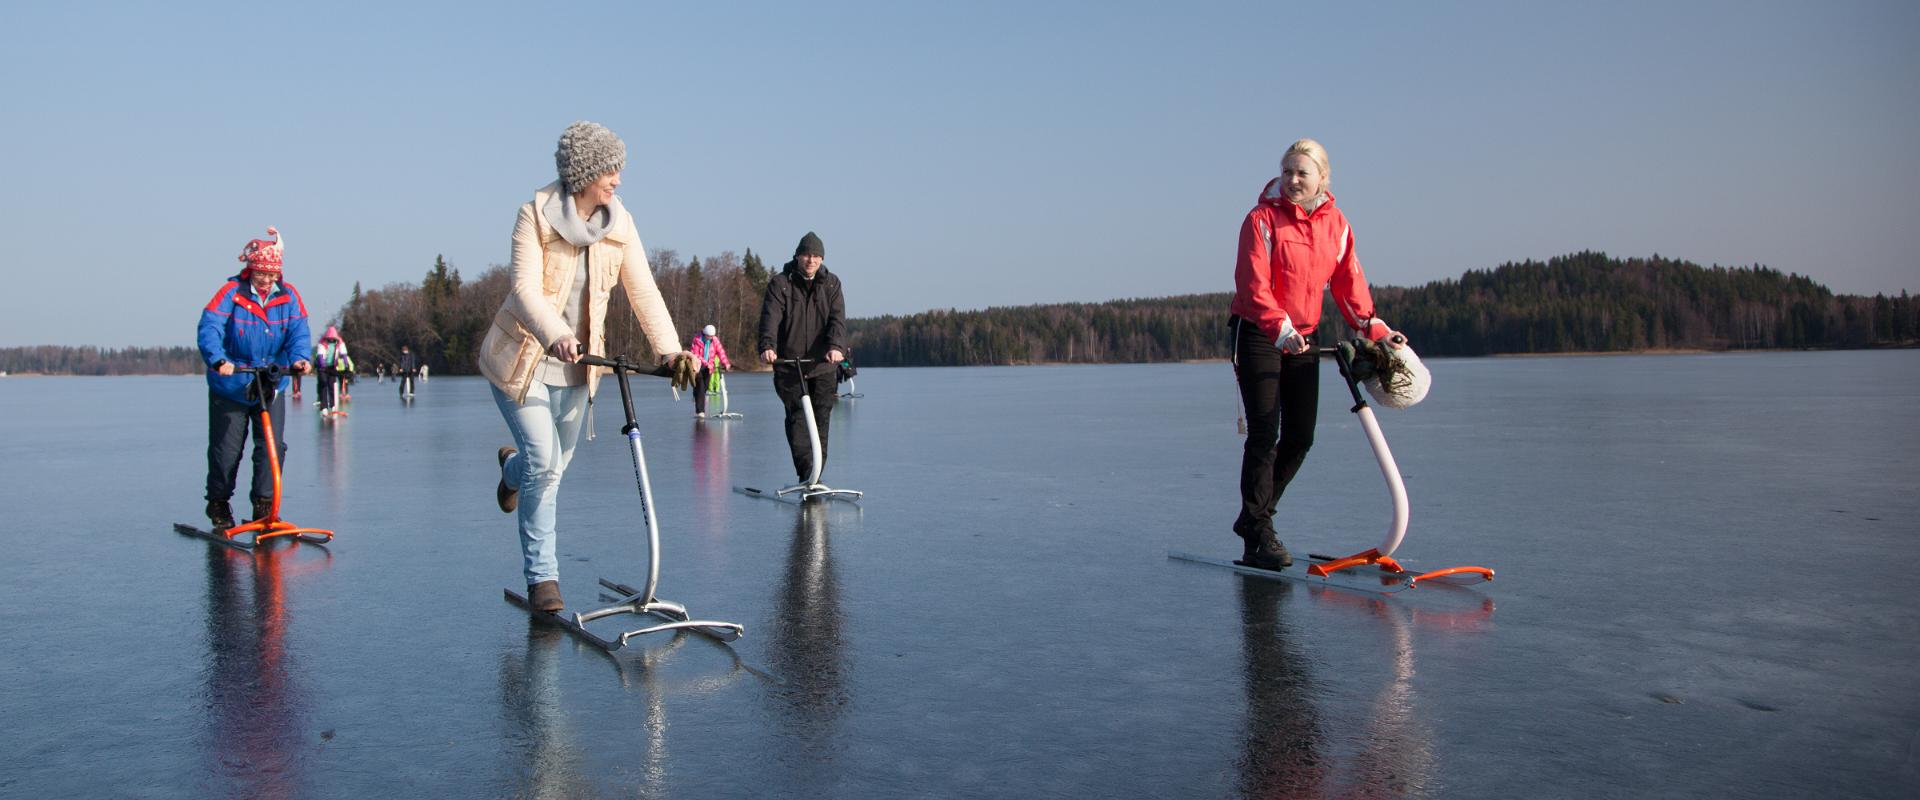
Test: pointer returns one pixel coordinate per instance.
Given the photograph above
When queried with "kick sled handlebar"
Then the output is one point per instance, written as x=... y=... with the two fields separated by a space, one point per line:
x=266 y=381
x=621 y=365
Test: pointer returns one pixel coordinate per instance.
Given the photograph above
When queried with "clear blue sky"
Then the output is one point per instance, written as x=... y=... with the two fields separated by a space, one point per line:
x=952 y=154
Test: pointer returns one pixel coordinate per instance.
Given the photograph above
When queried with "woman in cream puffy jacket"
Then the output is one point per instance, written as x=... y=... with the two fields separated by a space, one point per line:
x=571 y=245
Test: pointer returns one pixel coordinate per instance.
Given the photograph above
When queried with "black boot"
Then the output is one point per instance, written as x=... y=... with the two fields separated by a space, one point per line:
x=220 y=514
x=1264 y=551
x=261 y=508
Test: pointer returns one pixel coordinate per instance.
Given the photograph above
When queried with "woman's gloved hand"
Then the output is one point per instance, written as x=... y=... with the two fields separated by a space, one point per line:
x=683 y=371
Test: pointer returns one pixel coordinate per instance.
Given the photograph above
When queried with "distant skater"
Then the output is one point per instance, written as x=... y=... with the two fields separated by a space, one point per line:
x=1293 y=244
x=335 y=365
x=571 y=244
x=404 y=373
x=711 y=357
x=803 y=315
x=254 y=320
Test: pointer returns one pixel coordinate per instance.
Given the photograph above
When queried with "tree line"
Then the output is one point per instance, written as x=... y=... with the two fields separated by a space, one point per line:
x=444 y=318
x=1582 y=302
x=53 y=359
x=1590 y=302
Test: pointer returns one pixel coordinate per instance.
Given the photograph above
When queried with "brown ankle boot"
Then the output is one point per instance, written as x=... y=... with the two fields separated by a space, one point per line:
x=507 y=496
x=545 y=596
x=261 y=508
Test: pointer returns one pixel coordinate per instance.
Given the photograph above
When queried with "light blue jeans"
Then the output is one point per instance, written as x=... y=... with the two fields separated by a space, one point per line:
x=545 y=429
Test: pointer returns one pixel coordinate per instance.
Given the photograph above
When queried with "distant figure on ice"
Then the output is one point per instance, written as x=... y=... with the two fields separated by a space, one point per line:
x=254 y=320
x=804 y=316
x=406 y=371
x=711 y=357
x=571 y=244
x=1293 y=244
x=336 y=364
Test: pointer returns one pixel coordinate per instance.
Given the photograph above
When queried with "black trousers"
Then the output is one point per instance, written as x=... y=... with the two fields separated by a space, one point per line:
x=1281 y=395
x=700 y=389
x=227 y=425
x=328 y=380
x=406 y=383
x=820 y=387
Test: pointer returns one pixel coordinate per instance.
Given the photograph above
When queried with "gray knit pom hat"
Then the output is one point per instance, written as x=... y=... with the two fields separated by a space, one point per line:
x=588 y=151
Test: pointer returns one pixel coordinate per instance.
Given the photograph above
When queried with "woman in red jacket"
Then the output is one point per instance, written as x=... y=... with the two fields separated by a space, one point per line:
x=1293 y=244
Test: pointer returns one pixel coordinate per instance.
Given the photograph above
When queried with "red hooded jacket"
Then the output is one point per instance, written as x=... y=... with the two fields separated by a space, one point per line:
x=1287 y=256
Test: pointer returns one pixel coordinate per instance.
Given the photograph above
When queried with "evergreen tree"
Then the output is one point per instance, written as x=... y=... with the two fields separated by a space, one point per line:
x=757 y=275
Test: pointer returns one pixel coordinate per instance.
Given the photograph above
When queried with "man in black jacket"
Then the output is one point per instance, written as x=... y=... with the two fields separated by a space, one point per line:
x=804 y=316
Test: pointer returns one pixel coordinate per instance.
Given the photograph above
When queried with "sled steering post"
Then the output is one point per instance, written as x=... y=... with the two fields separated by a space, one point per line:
x=812 y=487
x=1382 y=555
x=719 y=382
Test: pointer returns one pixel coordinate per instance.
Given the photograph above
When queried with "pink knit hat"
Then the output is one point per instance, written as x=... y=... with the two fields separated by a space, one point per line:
x=263 y=255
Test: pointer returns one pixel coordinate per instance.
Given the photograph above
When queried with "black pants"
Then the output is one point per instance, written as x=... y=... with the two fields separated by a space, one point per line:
x=227 y=426
x=406 y=383
x=820 y=386
x=327 y=380
x=700 y=383
x=1281 y=395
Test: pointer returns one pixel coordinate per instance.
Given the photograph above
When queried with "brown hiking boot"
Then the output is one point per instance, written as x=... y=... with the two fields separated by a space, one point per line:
x=545 y=596
x=261 y=508
x=508 y=496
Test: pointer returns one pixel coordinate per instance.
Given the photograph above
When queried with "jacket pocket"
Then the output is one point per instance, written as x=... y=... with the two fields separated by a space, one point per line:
x=609 y=260
x=554 y=271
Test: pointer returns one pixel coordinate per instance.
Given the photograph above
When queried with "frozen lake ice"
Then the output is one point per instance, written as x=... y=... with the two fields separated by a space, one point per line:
x=1700 y=593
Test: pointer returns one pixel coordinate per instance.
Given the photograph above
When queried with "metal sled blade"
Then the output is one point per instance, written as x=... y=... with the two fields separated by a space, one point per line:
x=766 y=495
x=1371 y=582
x=206 y=534
x=675 y=617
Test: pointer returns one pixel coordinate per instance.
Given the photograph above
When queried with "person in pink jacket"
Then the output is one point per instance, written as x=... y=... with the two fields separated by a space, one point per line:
x=710 y=356
x=1293 y=244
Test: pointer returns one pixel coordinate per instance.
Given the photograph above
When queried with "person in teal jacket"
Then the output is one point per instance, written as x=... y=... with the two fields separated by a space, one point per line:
x=254 y=320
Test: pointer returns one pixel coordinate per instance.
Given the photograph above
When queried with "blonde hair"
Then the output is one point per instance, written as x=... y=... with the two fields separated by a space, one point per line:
x=1312 y=150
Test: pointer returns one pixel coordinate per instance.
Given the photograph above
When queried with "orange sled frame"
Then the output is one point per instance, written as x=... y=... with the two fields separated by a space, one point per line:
x=270 y=526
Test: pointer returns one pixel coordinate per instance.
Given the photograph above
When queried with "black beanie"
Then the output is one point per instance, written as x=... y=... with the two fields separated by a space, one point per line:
x=810 y=243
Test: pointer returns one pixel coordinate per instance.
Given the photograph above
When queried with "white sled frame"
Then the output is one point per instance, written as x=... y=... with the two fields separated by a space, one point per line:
x=643 y=601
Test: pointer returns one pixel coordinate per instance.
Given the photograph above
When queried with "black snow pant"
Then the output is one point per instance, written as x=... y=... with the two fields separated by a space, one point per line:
x=700 y=383
x=819 y=386
x=227 y=425
x=406 y=383
x=1281 y=396
x=327 y=379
